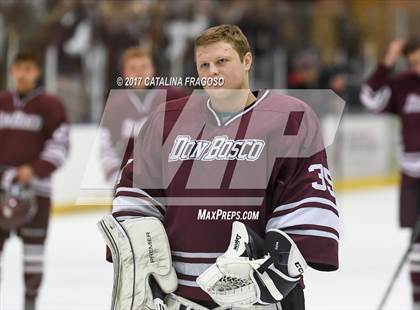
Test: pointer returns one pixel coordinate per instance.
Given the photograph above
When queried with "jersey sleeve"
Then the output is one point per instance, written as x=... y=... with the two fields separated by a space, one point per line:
x=377 y=93
x=56 y=143
x=139 y=189
x=304 y=204
x=7 y=177
x=111 y=158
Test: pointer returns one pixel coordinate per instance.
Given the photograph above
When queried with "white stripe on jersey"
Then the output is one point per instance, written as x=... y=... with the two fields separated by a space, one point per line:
x=414 y=256
x=306 y=200
x=305 y=216
x=311 y=232
x=141 y=193
x=42 y=187
x=7 y=178
x=125 y=203
x=50 y=144
x=414 y=267
x=190 y=269
x=56 y=148
x=375 y=101
x=196 y=255
x=55 y=157
x=410 y=163
x=188 y=283
x=33 y=258
x=33 y=249
x=33 y=269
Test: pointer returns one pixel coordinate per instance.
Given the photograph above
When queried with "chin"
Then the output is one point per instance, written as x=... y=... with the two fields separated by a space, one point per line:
x=219 y=93
x=23 y=89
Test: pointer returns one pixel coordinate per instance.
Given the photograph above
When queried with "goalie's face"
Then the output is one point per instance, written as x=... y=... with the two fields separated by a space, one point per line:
x=221 y=60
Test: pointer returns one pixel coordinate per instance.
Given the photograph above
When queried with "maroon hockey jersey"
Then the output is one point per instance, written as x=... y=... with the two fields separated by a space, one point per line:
x=399 y=95
x=125 y=113
x=34 y=131
x=265 y=167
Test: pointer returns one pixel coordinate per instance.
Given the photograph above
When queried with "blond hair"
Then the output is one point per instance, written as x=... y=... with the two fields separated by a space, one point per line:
x=227 y=33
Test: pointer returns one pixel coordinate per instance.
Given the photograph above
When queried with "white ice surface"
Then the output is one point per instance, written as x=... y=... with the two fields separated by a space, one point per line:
x=371 y=245
x=77 y=276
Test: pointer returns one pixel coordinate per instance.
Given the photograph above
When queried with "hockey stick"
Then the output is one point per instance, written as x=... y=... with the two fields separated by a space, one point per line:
x=414 y=236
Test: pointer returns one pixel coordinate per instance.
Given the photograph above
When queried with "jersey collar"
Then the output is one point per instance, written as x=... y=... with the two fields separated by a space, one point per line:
x=20 y=103
x=145 y=105
x=261 y=96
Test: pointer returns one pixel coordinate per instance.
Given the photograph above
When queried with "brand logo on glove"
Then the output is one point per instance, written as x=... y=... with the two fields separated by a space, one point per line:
x=236 y=245
x=150 y=247
x=299 y=267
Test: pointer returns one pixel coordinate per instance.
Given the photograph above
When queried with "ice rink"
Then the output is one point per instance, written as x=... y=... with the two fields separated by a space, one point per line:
x=371 y=245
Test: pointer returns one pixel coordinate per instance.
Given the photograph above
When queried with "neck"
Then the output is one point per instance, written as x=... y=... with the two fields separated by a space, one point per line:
x=234 y=102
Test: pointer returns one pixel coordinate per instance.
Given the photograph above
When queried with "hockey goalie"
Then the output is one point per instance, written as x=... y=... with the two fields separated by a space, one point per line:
x=227 y=199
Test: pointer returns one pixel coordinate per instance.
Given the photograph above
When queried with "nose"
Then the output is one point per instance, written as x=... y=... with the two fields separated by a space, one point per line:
x=213 y=70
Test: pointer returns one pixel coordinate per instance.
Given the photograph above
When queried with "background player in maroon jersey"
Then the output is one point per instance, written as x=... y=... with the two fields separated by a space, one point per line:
x=174 y=170
x=33 y=144
x=126 y=111
x=400 y=95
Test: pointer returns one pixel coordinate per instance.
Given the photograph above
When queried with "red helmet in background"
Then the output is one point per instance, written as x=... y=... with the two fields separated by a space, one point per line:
x=17 y=206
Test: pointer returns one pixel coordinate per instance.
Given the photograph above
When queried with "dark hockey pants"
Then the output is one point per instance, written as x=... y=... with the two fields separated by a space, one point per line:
x=33 y=236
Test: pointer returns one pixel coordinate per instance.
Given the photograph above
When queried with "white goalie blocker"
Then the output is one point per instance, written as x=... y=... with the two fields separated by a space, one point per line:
x=143 y=271
x=254 y=271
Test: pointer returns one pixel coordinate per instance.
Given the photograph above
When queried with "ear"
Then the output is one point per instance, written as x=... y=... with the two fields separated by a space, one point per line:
x=247 y=60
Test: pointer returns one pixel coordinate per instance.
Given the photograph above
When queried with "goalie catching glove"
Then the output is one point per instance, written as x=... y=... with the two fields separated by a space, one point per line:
x=254 y=271
x=142 y=262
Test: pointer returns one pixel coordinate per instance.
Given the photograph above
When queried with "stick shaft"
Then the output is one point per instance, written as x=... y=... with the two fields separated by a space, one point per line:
x=414 y=236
